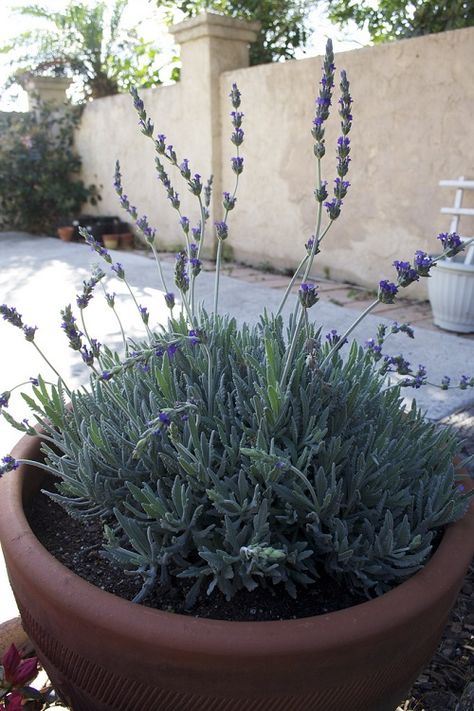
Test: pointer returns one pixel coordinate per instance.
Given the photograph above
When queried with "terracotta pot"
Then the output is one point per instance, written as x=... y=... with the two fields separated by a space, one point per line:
x=110 y=241
x=104 y=653
x=126 y=240
x=66 y=233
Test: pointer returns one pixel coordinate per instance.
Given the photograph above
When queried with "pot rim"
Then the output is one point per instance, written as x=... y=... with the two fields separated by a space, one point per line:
x=453 y=265
x=398 y=607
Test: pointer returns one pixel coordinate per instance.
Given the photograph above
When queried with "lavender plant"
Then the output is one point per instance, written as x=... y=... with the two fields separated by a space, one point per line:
x=242 y=457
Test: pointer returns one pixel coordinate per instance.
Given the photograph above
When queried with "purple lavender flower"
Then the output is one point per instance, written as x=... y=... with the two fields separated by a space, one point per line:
x=160 y=143
x=147 y=231
x=171 y=154
x=144 y=314
x=95 y=246
x=374 y=349
x=340 y=188
x=29 y=332
x=323 y=102
x=11 y=315
x=229 y=201
x=452 y=243
x=420 y=377
x=173 y=197
x=194 y=337
x=119 y=270
x=333 y=338
x=196 y=232
x=169 y=300
x=343 y=143
x=137 y=102
x=83 y=299
x=237 y=117
x=464 y=382
x=237 y=137
x=406 y=274
x=110 y=298
x=184 y=169
x=184 y=222
x=181 y=277
x=118 y=179
x=34 y=381
x=321 y=193
x=387 y=292
x=195 y=184
x=308 y=295
x=445 y=381
x=96 y=346
x=235 y=96
x=400 y=364
x=106 y=375
x=87 y=355
x=5 y=398
x=237 y=164
x=343 y=160
x=171 y=349
x=309 y=245
x=423 y=263
x=69 y=327
x=345 y=103
x=194 y=260
x=402 y=328
x=8 y=465
x=222 y=231
x=333 y=208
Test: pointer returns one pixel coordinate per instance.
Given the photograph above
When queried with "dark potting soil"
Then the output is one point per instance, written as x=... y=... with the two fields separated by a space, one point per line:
x=76 y=544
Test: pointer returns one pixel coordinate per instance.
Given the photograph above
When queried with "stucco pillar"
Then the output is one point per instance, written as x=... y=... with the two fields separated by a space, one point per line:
x=47 y=89
x=210 y=44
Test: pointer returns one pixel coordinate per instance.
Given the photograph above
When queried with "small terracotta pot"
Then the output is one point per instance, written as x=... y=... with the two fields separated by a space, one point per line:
x=126 y=240
x=110 y=241
x=103 y=653
x=66 y=233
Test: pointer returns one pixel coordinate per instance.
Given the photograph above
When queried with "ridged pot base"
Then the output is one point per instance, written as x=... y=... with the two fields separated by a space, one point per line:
x=106 y=654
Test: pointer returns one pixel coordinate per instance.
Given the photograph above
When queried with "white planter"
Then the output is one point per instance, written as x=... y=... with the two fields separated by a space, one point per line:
x=451 y=293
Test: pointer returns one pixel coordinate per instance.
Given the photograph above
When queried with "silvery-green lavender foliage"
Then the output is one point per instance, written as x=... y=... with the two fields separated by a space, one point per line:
x=236 y=484
x=242 y=457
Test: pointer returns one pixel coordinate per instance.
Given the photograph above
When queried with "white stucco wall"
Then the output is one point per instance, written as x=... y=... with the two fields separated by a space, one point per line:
x=413 y=105
x=413 y=125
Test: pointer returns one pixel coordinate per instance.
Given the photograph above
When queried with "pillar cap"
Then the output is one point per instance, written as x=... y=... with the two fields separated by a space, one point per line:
x=49 y=83
x=212 y=24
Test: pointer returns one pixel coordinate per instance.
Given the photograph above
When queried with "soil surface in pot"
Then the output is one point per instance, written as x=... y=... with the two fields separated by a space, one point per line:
x=76 y=544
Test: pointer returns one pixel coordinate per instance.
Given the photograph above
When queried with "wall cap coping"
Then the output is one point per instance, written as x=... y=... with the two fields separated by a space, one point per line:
x=59 y=83
x=212 y=24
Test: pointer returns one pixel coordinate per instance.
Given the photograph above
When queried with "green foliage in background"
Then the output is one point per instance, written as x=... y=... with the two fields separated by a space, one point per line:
x=85 y=42
x=395 y=19
x=284 y=23
x=39 y=168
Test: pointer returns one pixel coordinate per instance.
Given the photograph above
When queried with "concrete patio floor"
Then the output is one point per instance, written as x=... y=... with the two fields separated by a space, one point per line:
x=40 y=275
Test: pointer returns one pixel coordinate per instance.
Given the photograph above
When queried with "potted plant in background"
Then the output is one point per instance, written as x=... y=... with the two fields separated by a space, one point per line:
x=66 y=233
x=246 y=474
x=451 y=288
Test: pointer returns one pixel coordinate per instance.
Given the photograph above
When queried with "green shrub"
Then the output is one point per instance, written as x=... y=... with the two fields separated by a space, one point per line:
x=39 y=168
x=234 y=483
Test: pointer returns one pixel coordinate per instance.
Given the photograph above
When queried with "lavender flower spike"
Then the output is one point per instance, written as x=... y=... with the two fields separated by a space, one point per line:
x=387 y=292
x=452 y=243
x=308 y=295
x=8 y=465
